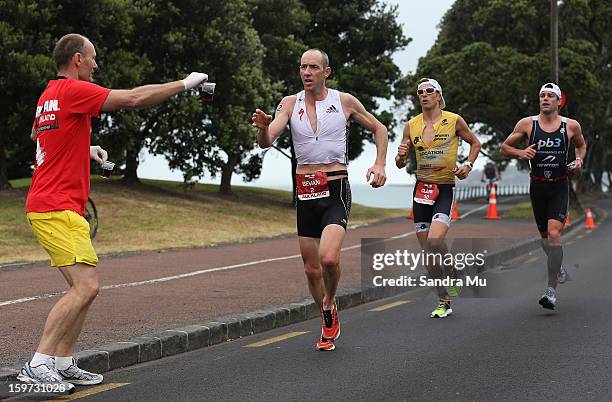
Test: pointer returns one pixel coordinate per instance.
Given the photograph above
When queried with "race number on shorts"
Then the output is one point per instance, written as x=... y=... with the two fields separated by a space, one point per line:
x=312 y=186
x=426 y=193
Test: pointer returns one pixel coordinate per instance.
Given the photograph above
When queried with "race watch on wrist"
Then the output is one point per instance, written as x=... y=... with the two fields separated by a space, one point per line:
x=469 y=164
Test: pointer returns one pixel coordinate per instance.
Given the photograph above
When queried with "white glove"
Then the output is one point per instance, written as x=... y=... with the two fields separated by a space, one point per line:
x=194 y=79
x=98 y=154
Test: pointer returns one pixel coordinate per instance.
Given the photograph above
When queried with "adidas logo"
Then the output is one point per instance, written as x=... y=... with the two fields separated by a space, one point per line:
x=332 y=109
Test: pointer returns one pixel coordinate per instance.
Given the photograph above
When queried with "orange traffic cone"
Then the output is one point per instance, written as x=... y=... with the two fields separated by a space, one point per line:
x=590 y=223
x=456 y=215
x=492 y=212
x=411 y=216
x=567 y=221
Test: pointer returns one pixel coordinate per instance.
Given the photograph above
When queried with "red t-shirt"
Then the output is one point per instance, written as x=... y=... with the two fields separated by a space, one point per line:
x=63 y=136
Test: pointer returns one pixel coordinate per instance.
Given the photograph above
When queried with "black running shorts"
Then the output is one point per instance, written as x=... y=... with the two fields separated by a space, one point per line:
x=439 y=211
x=549 y=200
x=314 y=215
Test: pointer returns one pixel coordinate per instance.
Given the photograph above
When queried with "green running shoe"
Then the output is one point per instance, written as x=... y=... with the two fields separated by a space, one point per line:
x=444 y=309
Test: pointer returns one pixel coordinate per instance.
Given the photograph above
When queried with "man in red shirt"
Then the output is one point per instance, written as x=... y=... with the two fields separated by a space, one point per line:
x=59 y=191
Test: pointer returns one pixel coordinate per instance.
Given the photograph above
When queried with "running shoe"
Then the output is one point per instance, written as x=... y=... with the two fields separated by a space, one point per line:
x=548 y=299
x=330 y=326
x=325 y=344
x=78 y=376
x=44 y=373
x=444 y=309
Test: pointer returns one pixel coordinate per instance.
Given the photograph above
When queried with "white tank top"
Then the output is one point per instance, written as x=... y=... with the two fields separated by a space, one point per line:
x=330 y=143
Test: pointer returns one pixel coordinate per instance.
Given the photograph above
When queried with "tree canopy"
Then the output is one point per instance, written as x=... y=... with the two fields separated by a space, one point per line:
x=492 y=57
x=251 y=48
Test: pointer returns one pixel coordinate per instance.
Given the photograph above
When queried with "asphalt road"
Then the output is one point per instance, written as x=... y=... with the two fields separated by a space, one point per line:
x=151 y=291
x=497 y=348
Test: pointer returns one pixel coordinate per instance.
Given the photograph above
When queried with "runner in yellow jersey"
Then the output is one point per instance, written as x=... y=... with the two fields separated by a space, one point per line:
x=434 y=135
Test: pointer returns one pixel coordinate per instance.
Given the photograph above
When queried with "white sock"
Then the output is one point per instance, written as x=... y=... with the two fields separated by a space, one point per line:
x=39 y=358
x=63 y=362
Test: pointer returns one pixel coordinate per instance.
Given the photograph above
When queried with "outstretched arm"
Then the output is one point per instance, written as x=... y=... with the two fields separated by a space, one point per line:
x=269 y=129
x=150 y=95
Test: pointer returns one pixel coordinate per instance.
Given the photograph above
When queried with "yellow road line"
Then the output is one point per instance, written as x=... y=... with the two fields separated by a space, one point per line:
x=275 y=339
x=92 y=391
x=390 y=305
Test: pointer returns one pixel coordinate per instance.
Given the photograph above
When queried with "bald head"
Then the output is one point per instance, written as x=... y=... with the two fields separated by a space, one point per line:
x=67 y=46
x=323 y=57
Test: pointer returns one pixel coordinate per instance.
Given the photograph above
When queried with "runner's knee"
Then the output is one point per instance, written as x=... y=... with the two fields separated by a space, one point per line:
x=87 y=290
x=554 y=236
x=329 y=261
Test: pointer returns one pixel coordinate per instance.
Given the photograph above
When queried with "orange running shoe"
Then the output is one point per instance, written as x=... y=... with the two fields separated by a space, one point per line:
x=325 y=344
x=331 y=325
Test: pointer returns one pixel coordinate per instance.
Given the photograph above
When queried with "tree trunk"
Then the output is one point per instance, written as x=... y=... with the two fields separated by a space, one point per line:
x=597 y=179
x=130 y=176
x=4 y=183
x=226 y=174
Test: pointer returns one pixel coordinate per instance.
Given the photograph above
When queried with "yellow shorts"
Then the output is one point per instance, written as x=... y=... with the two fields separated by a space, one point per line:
x=65 y=237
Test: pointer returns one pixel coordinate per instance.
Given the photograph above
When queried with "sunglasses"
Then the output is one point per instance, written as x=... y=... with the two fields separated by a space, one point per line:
x=428 y=91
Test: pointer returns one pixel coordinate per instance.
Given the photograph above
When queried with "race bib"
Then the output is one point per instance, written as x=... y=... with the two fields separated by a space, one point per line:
x=312 y=186
x=426 y=193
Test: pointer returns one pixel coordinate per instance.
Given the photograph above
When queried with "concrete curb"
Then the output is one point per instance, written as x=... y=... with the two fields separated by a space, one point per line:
x=160 y=344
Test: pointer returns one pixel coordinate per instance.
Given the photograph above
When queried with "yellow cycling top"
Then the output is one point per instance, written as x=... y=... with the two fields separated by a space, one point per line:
x=435 y=162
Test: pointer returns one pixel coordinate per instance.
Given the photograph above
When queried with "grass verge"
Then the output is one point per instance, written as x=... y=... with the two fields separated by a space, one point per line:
x=160 y=214
x=523 y=210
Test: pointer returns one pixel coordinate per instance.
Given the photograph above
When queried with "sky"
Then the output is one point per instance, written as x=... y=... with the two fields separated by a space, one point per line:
x=420 y=20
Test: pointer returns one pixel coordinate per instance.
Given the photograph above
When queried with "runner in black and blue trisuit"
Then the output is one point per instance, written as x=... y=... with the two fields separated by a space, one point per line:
x=548 y=137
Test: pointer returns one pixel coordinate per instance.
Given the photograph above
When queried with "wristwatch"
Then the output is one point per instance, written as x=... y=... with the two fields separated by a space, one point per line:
x=470 y=164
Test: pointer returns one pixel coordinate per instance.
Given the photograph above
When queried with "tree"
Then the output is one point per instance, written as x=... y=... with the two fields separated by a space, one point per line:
x=150 y=41
x=492 y=57
x=28 y=32
x=219 y=136
x=25 y=66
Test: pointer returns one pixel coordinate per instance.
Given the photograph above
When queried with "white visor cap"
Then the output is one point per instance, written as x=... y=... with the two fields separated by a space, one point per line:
x=551 y=87
x=438 y=88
